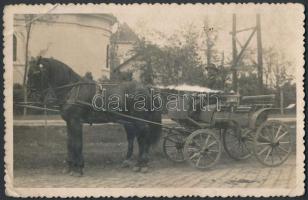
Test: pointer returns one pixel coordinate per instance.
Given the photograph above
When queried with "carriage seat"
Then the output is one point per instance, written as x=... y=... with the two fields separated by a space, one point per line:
x=206 y=115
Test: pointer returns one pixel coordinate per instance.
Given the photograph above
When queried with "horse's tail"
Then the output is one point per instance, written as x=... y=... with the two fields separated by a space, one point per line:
x=155 y=130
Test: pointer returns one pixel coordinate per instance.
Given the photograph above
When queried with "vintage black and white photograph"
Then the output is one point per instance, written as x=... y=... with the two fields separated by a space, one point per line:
x=154 y=100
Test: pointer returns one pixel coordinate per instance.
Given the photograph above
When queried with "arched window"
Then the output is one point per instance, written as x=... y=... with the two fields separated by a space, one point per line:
x=14 y=48
x=107 y=56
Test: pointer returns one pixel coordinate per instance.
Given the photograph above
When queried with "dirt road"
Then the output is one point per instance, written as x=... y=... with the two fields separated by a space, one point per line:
x=227 y=173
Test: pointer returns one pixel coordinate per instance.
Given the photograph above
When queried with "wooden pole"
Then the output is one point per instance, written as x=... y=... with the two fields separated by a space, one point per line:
x=240 y=55
x=281 y=101
x=222 y=59
x=260 y=56
x=234 y=54
x=25 y=87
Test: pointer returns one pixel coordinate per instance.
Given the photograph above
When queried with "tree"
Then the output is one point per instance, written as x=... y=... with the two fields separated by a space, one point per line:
x=178 y=61
x=275 y=68
x=277 y=80
x=150 y=58
x=248 y=84
x=211 y=36
x=30 y=20
x=289 y=93
x=217 y=77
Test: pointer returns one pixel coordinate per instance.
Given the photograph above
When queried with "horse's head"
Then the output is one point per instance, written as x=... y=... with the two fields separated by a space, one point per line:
x=38 y=79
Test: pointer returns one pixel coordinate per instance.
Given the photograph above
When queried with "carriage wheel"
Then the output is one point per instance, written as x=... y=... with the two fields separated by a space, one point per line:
x=173 y=146
x=272 y=144
x=238 y=144
x=202 y=149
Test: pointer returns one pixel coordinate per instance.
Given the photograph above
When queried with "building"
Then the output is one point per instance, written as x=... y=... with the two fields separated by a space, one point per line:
x=123 y=42
x=127 y=71
x=81 y=41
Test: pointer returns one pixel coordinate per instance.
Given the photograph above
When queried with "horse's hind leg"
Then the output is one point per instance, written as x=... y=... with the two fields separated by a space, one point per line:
x=143 y=159
x=146 y=159
x=130 y=133
x=140 y=162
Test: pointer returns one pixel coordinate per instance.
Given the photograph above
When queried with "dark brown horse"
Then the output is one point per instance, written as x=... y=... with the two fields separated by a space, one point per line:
x=56 y=83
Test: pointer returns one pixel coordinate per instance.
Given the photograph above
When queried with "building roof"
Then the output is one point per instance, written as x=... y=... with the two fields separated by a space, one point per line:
x=131 y=59
x=103 y=16
x=110 y=17
x=126 y=34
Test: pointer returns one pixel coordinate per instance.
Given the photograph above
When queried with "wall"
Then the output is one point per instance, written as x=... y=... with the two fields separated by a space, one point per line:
x=124 y=51
x=78 y=41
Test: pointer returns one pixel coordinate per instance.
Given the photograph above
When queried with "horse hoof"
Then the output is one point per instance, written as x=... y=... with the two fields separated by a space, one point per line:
x=136 y=169
x=77 y=173
x=66 y=170
x=126 y=164
x=144 y=169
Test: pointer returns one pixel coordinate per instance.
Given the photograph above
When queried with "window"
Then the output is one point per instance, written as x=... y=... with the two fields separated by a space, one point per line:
x=14 y=48
x=107 y=56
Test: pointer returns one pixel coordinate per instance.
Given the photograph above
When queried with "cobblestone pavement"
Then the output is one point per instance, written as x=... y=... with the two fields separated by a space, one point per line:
x=227 y=174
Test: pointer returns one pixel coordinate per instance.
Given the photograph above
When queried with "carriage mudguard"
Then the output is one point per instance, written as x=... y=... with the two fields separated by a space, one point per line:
x=260 y=116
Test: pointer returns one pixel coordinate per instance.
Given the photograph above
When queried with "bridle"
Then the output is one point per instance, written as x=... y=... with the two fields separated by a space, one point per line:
x=48 y=95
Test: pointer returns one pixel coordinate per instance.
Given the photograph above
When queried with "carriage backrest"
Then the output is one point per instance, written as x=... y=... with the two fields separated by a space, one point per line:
x=182 y=111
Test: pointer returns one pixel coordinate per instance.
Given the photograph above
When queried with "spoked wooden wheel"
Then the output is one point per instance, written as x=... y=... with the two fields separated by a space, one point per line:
x=173 y=146
x=272 y=144
x=238 y=143
x=202 y=149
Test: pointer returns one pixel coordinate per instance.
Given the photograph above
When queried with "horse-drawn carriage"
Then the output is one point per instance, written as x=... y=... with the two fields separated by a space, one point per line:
x=239 y=124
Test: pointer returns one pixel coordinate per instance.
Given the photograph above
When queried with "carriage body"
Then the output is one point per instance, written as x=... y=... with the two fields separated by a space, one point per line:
x=227 y=110
x=236 y=122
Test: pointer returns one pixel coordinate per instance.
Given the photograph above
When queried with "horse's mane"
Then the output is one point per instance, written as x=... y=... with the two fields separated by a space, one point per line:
x=59 y=72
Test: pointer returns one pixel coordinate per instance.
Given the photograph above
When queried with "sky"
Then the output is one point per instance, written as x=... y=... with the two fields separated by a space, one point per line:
x=282 y=25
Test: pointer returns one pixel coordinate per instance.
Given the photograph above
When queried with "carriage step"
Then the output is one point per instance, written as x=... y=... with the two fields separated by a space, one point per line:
x=200 y=124
x=204 y=125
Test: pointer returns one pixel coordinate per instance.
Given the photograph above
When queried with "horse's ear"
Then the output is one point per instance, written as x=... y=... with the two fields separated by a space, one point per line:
x=38 y=60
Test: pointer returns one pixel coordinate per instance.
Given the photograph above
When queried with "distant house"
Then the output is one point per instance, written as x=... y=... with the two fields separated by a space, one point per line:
x=125 y=58
x=82 y=41
x=126 y=70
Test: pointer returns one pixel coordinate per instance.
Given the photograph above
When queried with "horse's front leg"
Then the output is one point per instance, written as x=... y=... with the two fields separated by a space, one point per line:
x=75 y=147
x=130 y=148
x=69 y=148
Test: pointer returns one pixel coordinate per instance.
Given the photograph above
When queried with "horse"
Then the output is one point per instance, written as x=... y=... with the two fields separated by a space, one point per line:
x=57 y=84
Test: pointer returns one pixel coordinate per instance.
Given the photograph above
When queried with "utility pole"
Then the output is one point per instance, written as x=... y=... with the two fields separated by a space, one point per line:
x=260 y=56
x=209 y=50
x=208 y=42
x=222 y=63
x=234 y=55
x=237 y=57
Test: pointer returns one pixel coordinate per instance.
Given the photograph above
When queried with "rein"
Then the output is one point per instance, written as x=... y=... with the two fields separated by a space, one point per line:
x=71 y=85
x=51 y=90
x=100 y=84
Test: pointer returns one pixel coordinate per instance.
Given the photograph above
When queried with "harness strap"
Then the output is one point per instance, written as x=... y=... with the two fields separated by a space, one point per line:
x=77 y=93
x=132 y=117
